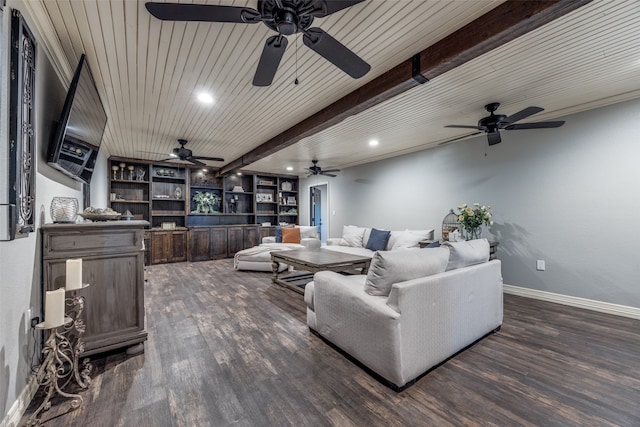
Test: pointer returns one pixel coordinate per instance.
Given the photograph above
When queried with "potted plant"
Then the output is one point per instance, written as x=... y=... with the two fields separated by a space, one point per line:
x=472 y=218
x=206 y=202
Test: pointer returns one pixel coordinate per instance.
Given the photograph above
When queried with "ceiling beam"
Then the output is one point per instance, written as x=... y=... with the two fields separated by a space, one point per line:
x=502 y=24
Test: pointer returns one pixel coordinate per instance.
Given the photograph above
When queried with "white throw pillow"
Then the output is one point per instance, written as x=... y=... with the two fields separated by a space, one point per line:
x=308 y=231
x=470 y=252
x=352 y=236
x=389 y=267
x=408 y=238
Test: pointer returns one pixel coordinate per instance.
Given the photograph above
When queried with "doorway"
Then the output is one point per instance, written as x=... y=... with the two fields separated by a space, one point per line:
x=319 y=209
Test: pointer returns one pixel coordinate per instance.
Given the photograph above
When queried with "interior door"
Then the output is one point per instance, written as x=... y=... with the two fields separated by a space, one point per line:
x=316 y=209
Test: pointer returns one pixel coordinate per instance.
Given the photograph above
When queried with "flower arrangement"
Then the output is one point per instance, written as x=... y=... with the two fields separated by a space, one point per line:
x=206 y=202
x=472 y=218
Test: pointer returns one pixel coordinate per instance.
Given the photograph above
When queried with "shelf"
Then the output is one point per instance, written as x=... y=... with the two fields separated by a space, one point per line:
x=204 y=187
x=267 y=203
x=162 y=199
x=129 y=181
x=146 y=202
x=239 y=192
x=167 y=213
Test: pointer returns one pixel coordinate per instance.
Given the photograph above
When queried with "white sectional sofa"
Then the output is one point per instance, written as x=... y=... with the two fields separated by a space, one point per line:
x=355 y=240
x=414 y=309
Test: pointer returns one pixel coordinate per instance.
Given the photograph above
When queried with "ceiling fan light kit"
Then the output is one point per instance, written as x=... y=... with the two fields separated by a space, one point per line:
x=286 y=17
x=493 y=123
x=186 y=155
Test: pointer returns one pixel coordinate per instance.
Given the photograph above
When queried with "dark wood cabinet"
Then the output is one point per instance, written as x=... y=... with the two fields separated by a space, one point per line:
x=218 y=243
x=113 y=264
x=221 y=241
x=168 y=246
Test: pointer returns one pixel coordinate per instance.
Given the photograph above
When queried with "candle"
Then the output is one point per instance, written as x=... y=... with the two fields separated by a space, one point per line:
x=74 y=274
x=54 y=308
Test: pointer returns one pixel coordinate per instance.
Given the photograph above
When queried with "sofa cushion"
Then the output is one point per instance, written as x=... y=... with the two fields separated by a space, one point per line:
x=389 y=267
x=408 y=238
x=378 y=239
x=352 y=236
x=470 y=252
x=290 y=235
x=308 y=231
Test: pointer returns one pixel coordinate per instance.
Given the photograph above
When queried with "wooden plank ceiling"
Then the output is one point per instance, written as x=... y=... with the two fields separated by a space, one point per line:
x=148 y=73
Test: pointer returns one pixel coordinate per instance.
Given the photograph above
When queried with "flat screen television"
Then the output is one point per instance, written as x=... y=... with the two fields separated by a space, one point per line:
x=74 y=147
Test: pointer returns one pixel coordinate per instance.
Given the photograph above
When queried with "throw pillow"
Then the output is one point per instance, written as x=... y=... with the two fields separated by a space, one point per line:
x=308 y=231
x=290 y=235
x=352 y=236
x=470 y=252
x=435 y=244
x=389 y=267
x=378 y=239
x=279 y=232
x=409 y=238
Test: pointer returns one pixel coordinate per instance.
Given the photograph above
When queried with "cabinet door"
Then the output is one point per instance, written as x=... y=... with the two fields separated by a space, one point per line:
x=251 y=237
x=199 y=244
x=266 y=232
x=160 y=247
x=218 y=242
x=235 y=243
x=178 y=246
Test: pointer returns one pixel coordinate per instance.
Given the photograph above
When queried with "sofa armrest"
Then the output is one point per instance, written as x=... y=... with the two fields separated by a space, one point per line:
x=334 y=241
x=269 y=239
x=311 y=242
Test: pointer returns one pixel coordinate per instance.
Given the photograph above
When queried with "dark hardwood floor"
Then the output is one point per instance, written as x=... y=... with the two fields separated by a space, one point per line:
x=228 y=348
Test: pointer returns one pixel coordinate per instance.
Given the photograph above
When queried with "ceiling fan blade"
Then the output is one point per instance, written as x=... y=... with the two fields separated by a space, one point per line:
x=536 y=125
x=195 y=162
x=202 y=12
x=461 y=126
x=494 y=138
x=335 y=52
x=212 y=159
x=529 y=111
x=328 y=174
x=331 y=6
x=270 y=59
x=331 y=170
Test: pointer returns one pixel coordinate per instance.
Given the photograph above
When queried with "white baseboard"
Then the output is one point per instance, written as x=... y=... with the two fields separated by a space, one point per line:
x=20 y=405
x=603 y=307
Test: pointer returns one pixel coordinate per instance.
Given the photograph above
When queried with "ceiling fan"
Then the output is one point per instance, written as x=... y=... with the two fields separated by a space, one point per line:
x=317 y=170
x=493 y=123
x=286 y=17
x=184 y=154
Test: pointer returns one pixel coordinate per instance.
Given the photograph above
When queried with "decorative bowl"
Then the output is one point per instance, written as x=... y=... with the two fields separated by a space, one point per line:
x=100 y=216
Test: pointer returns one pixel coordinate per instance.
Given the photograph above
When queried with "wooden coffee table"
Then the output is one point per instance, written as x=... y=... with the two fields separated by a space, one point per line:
x=310 y=261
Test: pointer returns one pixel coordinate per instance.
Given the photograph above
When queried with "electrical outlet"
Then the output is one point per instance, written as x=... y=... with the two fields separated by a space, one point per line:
x=540 y=265
x=35 y=321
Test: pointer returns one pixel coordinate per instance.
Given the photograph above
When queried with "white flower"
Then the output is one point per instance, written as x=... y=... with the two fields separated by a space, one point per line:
x=476 y=204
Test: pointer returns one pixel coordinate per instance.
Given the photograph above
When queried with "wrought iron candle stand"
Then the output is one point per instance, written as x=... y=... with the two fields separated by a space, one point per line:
x=53 y=365
x=74 y=346
x=62 y=352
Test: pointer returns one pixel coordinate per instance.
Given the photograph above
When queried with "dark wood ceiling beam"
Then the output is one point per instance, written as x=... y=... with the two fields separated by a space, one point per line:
x=502 y=24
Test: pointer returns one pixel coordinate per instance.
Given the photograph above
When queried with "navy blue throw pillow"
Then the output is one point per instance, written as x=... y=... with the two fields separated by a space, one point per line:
x=378 y=240
x=278 y=234
x=435 y=244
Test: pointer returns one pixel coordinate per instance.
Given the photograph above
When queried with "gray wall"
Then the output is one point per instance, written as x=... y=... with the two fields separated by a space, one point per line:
x=20 y=259
x=568 y=196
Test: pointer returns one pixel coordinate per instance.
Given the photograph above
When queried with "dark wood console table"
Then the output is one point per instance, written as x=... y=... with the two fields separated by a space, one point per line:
x=113 y=263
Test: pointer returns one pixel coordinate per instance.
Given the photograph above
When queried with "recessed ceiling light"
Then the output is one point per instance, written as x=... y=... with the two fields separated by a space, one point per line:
x=239 y=174
x=173 y=155
x=289 y=168
x=205 y=98
x=373 y=142
x=204 y=170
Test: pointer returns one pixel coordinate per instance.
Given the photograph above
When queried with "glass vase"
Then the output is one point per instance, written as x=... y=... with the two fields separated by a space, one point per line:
x=474 y=233
x=64 y=209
